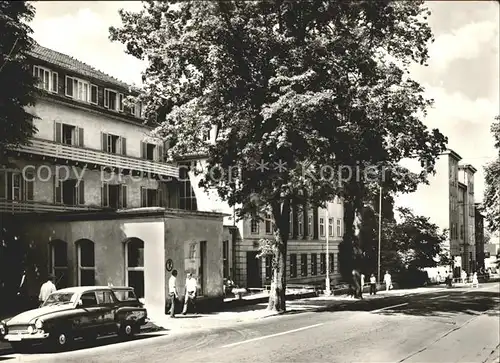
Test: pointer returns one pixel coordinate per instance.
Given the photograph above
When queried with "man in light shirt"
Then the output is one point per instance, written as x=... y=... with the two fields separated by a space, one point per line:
x=191 y=287
x=47 y=289
x=172 y=292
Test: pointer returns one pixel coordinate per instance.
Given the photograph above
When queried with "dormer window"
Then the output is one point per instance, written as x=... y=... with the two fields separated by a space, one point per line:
x=113 y=100
x=81 y=90
x=136 y=110
x=47 y=79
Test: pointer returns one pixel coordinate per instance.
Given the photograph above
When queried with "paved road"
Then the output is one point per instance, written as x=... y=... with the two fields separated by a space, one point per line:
x=456 y=325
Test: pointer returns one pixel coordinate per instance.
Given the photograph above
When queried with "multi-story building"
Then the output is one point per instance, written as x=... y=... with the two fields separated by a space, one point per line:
x=91 y=197
x=448 y=200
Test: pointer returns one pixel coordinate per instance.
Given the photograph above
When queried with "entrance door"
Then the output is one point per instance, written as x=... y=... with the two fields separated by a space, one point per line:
x=202 y=273
x=254 y=273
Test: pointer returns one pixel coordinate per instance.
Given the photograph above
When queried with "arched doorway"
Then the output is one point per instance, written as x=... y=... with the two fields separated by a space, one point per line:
x=85 y=258
x=58 y=262
x=134 y=265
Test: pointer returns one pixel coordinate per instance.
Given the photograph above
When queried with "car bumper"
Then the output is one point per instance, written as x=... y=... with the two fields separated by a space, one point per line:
x=25 y=337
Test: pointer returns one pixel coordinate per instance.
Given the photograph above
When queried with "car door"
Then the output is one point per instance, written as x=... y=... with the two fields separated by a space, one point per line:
x=91 y=311
x=107 y=304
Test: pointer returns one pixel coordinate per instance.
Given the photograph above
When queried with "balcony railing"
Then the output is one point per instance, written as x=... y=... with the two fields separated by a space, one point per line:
x=39 y=207
x=80 y=154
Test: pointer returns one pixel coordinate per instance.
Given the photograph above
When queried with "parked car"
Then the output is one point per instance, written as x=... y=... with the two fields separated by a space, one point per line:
x=86 y=311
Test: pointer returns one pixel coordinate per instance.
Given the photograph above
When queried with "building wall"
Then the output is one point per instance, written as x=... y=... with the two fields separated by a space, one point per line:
x=165 y=237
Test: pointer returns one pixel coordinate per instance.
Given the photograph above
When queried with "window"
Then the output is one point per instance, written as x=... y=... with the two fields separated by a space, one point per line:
x=187 y=198
x=89 y=299
x=462 y=231
x=268 y=223
x=113 y=100
x=330 y=227
x=331 y=262
x=86 y=263
x=113 y=144
x=68 y=134
x=206 y=135
x=114 y=195
x=134 y=258
x=78 y=89
x=269 y=267
x=16 y=188
x=136 y=110
x=309 y=225
x=47 y=80
x=290 y=225
x=293 y=265
x=322 y=263
x=322 y=227
x=69 y=192
x=59 y=262
x=93 y=94
x=104 y=297
x=151 y=197
x=152 y=152
x=301 y=224
x=225 y=259
x=314 y=264
x=303 y=264
x=339 y=227
x=254 y=226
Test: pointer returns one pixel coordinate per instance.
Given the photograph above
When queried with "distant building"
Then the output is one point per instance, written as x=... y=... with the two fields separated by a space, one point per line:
x=479 y=229
x=448 y=200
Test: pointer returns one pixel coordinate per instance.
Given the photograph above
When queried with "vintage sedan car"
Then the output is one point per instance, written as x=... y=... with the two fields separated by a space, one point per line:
x=86 y=312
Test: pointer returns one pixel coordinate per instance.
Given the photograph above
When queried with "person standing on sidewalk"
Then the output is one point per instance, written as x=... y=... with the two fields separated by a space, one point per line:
x=191 y=288
x=388 y=281
x=475 y=281
x=362 y=282
x=464 y=277
x=373 y=285
x=47 y=288
x=172 y=292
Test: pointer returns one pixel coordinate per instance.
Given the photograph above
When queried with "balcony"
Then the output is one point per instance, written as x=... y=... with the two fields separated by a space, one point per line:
x=90 y=156
x=39 y=207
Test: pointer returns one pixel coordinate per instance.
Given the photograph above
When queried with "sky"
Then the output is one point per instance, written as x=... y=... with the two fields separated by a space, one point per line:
x=462 y=76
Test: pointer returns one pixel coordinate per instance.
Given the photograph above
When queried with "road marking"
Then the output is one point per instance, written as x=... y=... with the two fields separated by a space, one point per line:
x=388 y=307
x=272 y=335
x=438 y=297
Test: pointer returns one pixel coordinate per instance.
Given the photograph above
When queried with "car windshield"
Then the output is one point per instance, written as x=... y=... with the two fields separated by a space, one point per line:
x=59 y=298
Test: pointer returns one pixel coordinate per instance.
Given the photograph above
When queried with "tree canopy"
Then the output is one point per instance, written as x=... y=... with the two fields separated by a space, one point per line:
x=299 y=93
x=491 y=198
x=17 y=82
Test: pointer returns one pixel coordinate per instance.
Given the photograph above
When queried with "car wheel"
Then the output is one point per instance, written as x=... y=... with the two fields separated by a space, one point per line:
x=61 y=340
x=127 y=330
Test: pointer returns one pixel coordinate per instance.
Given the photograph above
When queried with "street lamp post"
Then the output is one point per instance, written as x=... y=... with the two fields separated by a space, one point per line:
x=327 y=232
x=379 y=233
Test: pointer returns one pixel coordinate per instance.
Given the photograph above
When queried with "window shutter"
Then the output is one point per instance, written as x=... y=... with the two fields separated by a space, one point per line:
x=93 y=94
x=69 y=86
x=80 y=136
x=144 y=197
x=104 y=138
x=3 y=185
x=55 y=82
x=143 y=150
x=124 y=196
x=81 y=192
x=104 y=195
x=29 y=186
x=57 y=191
x=106 y=98
x=120 y=102
x=58 y=132
x=160 y=197
x=124 y=146
x=161 y=155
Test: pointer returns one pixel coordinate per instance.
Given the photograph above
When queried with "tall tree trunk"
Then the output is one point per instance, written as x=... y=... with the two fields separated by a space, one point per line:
x=277 y=295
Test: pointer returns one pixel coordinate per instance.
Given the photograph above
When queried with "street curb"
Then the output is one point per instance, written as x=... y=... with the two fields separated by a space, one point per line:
x=245 y=302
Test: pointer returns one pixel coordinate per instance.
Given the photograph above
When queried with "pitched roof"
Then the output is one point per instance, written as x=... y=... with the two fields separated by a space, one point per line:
x=69 y=63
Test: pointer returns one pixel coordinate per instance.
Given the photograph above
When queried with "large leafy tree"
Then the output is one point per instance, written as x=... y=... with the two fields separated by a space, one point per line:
x=289 y=87
x=17 y=84
x=491 y=198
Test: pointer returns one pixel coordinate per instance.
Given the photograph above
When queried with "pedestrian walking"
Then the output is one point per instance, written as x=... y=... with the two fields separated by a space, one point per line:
x=388 y=281
x=47 y=288
x=464 y=277
x=190 y=297
x=475 y=281
x=172 y=292
x=373 y=285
